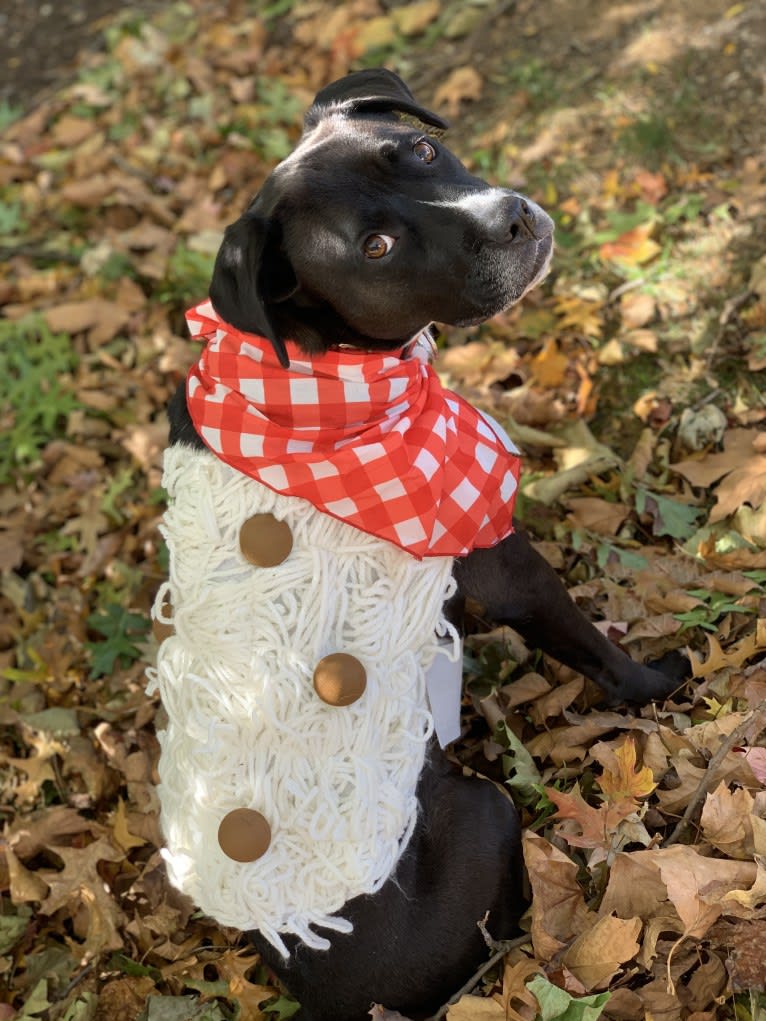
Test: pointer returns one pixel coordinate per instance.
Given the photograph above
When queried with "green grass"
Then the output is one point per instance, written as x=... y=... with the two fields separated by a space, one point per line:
x=36 y=390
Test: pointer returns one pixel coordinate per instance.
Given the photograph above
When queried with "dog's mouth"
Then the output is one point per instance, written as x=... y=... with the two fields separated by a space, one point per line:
x=542 y=264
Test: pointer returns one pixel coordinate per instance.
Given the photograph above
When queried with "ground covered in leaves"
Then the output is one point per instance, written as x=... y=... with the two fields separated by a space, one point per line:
x=634 y=380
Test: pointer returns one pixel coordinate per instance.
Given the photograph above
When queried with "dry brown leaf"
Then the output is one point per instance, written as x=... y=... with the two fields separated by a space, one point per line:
x=464 y=83
x=233 y=966
x=519 y=1003
x=624 y=779
x=637 y=309
x=635 y=888
x=633 y=248
x=597 y=954
x=734 y=656
x=756 y=760
x=526 y=688
x=69 y=131
x=25 y=885
x=414 y=18
x=748 y=903
x=37 y=766
x=479 y=363
x=104 y=318
x=739 y=448
x=586 y=826
x=80 y=884
x=696 y=885
x=558 y=908
x=553 y=702
x=476 y=1008
x=597 y=515
x=122 y=835
x=745 y=485
x=730 y=825
x=549 y=366
x=47 y=828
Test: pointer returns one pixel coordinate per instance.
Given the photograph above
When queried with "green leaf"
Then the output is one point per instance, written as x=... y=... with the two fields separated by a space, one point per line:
x=35 y=388
x=632 y=561
x=82 y=1009
x=180 y=1008
x=12 y=928
x=282 y=1008
x=557 y=1005
x=518 y=765
x=121 y=629
x=669 y=517
x=37 y=1002
x=120 y=962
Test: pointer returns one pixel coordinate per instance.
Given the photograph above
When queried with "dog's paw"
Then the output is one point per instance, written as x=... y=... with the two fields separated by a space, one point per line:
x=666 y=675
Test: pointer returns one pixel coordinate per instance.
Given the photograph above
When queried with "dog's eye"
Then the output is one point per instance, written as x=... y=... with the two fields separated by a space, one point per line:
x=424 y=151
x=378 y=245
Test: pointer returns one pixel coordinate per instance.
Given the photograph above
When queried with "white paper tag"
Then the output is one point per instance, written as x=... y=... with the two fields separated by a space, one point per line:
x=444 y=686
x=498 y=430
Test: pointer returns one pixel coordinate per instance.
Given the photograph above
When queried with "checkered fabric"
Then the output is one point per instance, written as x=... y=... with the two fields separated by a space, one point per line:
x=371 y=438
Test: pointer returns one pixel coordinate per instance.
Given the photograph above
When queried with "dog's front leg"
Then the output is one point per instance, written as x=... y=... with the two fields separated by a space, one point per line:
x=517 y=586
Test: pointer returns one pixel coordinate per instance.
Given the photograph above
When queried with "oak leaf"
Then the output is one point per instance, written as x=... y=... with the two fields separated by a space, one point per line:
x=122 y=835
x=80 y=884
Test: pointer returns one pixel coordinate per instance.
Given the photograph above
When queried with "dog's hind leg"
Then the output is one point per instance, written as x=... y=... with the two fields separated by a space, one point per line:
x=517 y=586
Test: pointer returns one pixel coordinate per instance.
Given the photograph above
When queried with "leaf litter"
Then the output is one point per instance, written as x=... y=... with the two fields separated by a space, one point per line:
x=646 y=830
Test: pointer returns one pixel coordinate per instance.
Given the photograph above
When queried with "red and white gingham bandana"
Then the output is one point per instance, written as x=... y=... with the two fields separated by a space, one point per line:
x=370 y=438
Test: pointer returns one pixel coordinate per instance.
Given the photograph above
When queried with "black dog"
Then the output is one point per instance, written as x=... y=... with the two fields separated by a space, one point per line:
x=370 y=230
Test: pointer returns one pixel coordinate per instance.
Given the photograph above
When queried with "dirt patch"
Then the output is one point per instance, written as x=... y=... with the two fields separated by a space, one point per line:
x=41 y=44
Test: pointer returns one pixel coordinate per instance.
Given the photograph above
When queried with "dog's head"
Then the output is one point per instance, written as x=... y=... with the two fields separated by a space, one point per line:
x=372 y=228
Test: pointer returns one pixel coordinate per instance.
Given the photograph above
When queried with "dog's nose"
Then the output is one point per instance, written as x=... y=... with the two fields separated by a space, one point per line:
x=520 y=222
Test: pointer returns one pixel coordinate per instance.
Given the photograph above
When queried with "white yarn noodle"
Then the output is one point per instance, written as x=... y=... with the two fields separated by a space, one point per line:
x=245 y=727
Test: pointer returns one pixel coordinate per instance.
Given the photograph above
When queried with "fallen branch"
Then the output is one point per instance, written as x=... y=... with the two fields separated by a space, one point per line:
x=503 y=948
x=756 y=718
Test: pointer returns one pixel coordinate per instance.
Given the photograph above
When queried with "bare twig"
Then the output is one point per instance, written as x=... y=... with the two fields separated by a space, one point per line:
x=502 y=949
x=756 y=719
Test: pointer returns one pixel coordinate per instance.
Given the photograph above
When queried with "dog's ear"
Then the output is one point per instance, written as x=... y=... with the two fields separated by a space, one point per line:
x=250 y=275
x=375 y=90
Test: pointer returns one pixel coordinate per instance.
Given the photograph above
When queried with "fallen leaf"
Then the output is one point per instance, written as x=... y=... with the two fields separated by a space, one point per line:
x=730 y=825
x=734 y=656
x=756 y=759
x=80 y=883
x=637 y=308
x=122 y=835
x=464 y=83
x=476 y=1008
x=558 y=908
x=412 y=19
x=586 y=826
x=549 y=366
x=597 y=954
x=696 y=885
x=633 y=248
x=596 y=514
x=627 y=781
